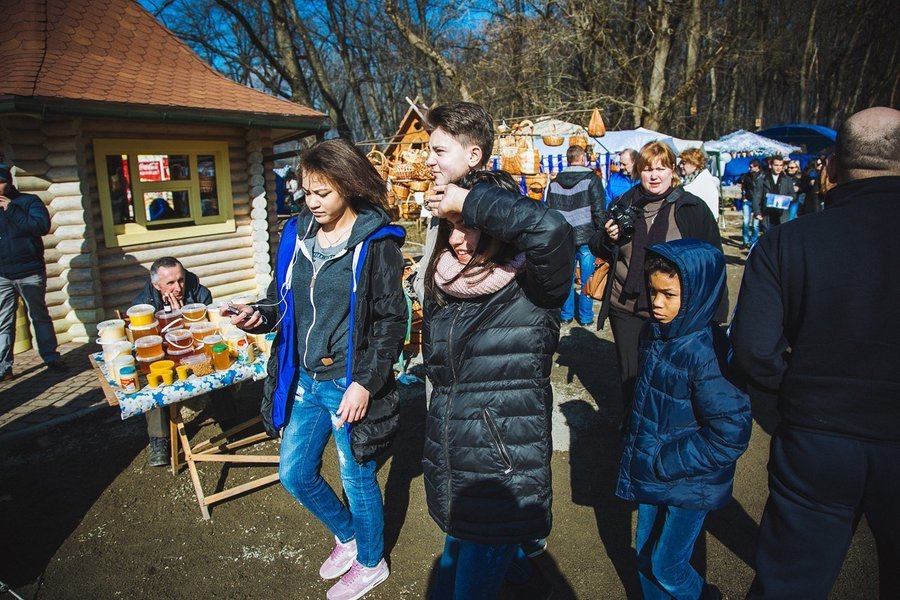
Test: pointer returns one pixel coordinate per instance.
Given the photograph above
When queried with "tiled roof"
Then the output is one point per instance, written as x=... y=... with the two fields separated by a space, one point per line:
x=115 y=52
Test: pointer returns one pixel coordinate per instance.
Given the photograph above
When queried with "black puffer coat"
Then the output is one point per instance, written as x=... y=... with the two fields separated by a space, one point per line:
x=487 y=439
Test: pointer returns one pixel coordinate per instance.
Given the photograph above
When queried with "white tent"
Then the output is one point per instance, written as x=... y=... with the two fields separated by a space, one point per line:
x=752 y=143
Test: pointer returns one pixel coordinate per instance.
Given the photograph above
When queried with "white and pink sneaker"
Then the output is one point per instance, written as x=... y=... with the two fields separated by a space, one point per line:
x=358 y=581
x=339 y=561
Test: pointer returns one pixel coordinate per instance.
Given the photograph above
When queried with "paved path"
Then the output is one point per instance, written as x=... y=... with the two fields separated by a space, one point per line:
x=38 y=398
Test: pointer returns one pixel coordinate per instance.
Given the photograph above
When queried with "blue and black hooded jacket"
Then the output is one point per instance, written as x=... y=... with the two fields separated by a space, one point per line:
x=377 y=323
x=689 y=424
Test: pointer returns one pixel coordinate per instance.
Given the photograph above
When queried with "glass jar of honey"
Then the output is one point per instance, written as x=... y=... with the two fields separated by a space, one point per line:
x=179 y=339
x=210 y=341
x=149 y=345
x=220 y=357
x=143 y=363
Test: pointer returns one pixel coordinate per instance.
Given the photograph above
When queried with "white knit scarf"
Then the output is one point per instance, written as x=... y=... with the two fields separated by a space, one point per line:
x=448 y=267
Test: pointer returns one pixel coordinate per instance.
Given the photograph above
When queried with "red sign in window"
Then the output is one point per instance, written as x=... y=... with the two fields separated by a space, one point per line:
x=153 y=168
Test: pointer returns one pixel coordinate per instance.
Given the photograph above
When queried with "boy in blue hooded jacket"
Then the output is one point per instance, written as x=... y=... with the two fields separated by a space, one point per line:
x=689 y=424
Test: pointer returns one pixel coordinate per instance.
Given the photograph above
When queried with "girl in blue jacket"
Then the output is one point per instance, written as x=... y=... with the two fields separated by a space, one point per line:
x=689 y=424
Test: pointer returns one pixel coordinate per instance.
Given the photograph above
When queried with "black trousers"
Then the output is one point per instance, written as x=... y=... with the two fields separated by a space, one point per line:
x=820 y=485
x=626 y=330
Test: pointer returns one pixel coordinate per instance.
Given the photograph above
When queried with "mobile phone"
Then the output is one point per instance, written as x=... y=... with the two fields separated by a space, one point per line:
x=231 y=310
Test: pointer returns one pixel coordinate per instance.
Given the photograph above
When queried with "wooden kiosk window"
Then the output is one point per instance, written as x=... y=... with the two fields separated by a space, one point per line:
x=157 y=190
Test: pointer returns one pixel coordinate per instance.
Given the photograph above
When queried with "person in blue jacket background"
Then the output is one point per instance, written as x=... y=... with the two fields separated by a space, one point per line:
x=689 y=424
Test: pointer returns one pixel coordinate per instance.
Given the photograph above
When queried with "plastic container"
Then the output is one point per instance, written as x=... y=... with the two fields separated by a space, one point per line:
x=147 y=346
x=221 y=358
x=113 y=350
x=224 y=326
x=118 y=363
x=210 y=341
x=111 y=331
x=128 y=380
x=193 y=313
x=200 y=331
x=199 y=364
x=182 y=371
x=139 y=331
x=232 y=337
x=212 y=310
x=242 y=299
x=245 y=352
x=169 y=320
x=153 y=379
x=162 y=365
x=179 y=339
x=264 y=341
x=140 y=314
x=143 y=364
x=168 y=376
x=176 y=356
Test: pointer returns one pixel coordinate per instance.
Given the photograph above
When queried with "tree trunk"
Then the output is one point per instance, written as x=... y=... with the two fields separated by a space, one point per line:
x=693 y=51
x=663 y=36
x=340 y=29
x=806 y=63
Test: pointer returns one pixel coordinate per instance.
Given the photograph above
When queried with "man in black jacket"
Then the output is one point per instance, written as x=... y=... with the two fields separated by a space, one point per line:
x=765 y=190
x=577 y=193
x=817 y=322
x=170 y=284
x=23 y=220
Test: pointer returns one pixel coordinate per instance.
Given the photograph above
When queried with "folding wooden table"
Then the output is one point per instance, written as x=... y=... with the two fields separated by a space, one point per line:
x=217 y=449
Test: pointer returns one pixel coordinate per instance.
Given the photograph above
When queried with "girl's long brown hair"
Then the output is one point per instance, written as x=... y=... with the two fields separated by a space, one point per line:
x=347 y=168
x=489 y=253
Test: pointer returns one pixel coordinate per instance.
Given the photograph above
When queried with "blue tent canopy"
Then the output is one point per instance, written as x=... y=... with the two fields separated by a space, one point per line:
x=814 y=138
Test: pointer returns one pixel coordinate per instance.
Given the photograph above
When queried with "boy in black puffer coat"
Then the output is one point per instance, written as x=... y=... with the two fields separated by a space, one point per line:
x=689 y=424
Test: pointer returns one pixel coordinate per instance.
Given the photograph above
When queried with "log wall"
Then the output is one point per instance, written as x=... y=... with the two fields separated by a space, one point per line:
x=86 y=280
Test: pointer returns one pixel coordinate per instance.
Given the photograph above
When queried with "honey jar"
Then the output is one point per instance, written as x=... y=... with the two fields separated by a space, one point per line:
x=200 y=331
x=147 y=346
x=179 y=339
x=141 y=314
x=212 y=310
x=210 y=341
x=169 y=320
x=111 y=331
x=112 y=350
x=144 y=363
x=232 y=337
x=220 y=357
x=193 y=313
x=139 y=331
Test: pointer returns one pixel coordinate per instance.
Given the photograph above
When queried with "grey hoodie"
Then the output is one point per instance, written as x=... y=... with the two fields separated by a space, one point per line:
x=323 y=309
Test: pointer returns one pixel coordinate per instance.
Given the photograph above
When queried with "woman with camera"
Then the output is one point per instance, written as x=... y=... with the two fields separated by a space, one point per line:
x=656 y=211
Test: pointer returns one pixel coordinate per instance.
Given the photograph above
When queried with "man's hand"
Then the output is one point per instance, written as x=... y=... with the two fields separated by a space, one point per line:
x=446 y=200
x=247 y=317
x=612 y=230
x=170 y=299
x=353 y=405
x=4 y=202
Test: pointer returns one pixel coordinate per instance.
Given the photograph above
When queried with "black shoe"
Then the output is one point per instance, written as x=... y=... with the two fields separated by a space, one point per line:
x=8 y=376
x=535 y=547
x=158 y=452
x=566 y=321
x=57 y=365
x=588 y=324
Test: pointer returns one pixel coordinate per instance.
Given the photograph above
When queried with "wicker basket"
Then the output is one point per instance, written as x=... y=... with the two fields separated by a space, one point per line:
x=418 y=185
x=553 y=139
x=535 y=184
x=576 y=139
x=409 y=210
x=380 y=162
x=402 y=171
x=401 y=192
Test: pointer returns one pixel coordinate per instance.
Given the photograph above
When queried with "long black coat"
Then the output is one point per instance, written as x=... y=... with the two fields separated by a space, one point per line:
x=487 y=439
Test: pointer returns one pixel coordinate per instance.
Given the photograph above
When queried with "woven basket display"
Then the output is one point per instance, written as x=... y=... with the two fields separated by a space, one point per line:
x=536 y=184
x=409 y=210
x=401 y=192
x=402 y=171
x=380 y=162
x=553 y=139
x=596 y=127
x=517 y=153
x=419 y=185
x=576 y=139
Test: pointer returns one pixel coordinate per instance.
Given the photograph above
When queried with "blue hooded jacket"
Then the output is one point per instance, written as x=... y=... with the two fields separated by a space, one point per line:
x=689 y=425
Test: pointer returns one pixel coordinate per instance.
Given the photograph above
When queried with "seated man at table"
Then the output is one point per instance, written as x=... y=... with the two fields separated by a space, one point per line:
x=170 y=284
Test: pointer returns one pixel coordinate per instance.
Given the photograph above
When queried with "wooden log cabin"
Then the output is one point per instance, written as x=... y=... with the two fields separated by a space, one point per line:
x=140 y=150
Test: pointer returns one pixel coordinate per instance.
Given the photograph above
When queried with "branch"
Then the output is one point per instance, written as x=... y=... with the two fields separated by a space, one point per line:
x=254 y=38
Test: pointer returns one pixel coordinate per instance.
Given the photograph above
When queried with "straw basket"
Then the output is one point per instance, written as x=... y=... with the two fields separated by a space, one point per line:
x=380 y=162
x=553 y=139
x=576 y=139
x=401 y=192
x=402 y=171
x=418 y=185
x=409 y=210
x=535 y=184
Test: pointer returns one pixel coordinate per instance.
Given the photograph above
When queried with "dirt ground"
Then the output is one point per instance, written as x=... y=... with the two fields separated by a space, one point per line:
x=82 y=516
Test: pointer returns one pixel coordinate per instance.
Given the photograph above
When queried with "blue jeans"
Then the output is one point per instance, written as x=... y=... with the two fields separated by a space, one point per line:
x=664 y=540
x=473 y=571
x=310 y=421
x=584 y=305
x=33 y=290
x=748 y=222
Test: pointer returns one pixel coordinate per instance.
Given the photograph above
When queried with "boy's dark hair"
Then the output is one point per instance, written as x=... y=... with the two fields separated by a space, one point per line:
x=575 y=153
x=657 y=264
x=755 y=163
x=469 y=123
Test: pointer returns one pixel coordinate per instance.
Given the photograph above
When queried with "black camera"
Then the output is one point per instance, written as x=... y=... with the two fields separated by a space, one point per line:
x=624 y=216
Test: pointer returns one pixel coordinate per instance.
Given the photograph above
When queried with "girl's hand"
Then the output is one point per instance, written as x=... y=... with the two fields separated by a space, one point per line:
x=612 y=230
x=446 y=200
x=353 y=405
x=247 y=317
